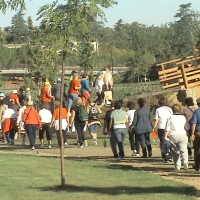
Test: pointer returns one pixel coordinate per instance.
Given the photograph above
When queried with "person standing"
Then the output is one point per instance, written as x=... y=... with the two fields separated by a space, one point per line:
x=93 y=111
x=195 y=135
x=161 y=115
x=134 y=142
x=142 y=127
x=45 y=96
x=28 y=95
x=108 y=80
x=45 y=117
x=15 y=99
x=118 y=120
x=55 y=121
x=85 y=89
x=79 y=124
x=188 y=113
x=99 y=90
x=20 y=123
x=32 y=121
x=175 y=130
x=56 y=89
x=9 y=124
x=109 y=131
x=73 y=91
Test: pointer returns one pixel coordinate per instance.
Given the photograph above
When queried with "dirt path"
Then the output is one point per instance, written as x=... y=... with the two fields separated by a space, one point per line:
x=99 y=153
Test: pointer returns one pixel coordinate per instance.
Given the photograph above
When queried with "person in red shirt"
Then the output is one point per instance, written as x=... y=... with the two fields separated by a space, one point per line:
x=73 y=91
x=31 y=120
x=55 y=121
x=45 y=96
x=15 y=99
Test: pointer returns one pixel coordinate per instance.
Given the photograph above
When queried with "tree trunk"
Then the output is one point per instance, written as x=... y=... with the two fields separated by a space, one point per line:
x=60 y=123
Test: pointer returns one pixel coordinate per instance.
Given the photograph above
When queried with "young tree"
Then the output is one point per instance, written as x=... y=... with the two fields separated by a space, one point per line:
x=61 y=23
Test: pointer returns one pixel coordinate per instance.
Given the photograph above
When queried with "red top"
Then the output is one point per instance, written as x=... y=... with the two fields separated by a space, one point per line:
x=45 y=96
x=14 y=97
x=56 y=113
x=74 y=83
x=31 y=117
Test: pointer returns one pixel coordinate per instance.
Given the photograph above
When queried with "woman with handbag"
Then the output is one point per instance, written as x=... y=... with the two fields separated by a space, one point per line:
x=32 y=121
x=142 y=127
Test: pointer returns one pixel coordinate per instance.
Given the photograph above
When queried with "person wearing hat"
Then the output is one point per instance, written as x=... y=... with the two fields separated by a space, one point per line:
x=28 y=95
x=195 y=135
x=56 y=89
x=15 y=99
x=31 y=120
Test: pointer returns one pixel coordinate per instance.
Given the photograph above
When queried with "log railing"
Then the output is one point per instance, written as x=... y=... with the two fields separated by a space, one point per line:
x=184 y=74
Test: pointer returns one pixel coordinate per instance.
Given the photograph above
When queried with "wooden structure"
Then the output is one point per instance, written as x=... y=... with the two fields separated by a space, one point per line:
x=181 y=73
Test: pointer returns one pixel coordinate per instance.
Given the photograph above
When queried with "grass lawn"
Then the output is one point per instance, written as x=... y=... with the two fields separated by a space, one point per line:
x=33 y=177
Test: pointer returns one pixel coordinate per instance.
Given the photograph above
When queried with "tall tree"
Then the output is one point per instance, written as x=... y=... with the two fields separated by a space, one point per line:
x=18 y=29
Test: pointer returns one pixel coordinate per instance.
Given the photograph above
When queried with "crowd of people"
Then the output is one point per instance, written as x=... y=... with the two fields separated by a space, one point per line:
x=176 y=128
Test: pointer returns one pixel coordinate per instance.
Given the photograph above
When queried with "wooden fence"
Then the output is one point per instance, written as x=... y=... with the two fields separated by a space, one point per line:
x=181 y=73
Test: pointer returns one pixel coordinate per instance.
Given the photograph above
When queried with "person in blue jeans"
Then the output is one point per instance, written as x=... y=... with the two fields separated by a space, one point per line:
x=110 y=133
x=195 y=135
x=118 y=121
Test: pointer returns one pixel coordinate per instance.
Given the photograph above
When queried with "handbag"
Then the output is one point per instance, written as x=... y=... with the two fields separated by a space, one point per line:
x=108 y=95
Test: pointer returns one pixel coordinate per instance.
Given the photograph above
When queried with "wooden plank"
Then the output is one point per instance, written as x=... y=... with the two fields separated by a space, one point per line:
x=171 y=85
x=184 y=76
x=171 y=61
x=170 y=78
x=197 y=71
x=169 y=75
x=188 y=60
x=169 y=70
x=189 y=78
x=191 y=85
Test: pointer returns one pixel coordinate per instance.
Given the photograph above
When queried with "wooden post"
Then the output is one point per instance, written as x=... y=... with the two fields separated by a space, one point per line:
x=184 y=75
x=62 y=158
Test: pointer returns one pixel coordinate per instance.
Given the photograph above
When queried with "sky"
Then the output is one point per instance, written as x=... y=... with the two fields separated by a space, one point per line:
x=148 y=12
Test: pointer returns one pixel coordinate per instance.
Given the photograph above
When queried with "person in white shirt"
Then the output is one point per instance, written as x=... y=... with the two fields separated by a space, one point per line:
x=9 y=124
x=99 y=90
x=175 y=130
x=20 y=123
x=134 y=142
x=45 y=117
x=161 y=115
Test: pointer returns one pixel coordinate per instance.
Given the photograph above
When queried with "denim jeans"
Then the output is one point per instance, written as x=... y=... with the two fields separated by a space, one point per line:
x=197 y=150
x=120 y=134
x=71 y=98
x=145 y=142
x=31 y=132
x=113 y=144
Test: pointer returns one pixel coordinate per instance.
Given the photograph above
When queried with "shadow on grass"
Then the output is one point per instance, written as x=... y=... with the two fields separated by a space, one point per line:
x=118 y=190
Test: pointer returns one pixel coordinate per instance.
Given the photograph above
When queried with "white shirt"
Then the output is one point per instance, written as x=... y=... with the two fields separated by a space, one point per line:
x=10 y=113
x=45 y=116
x=176 y=125
x=98 y=85
x=162 y=114
x=130 y=114
x=21 y=112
